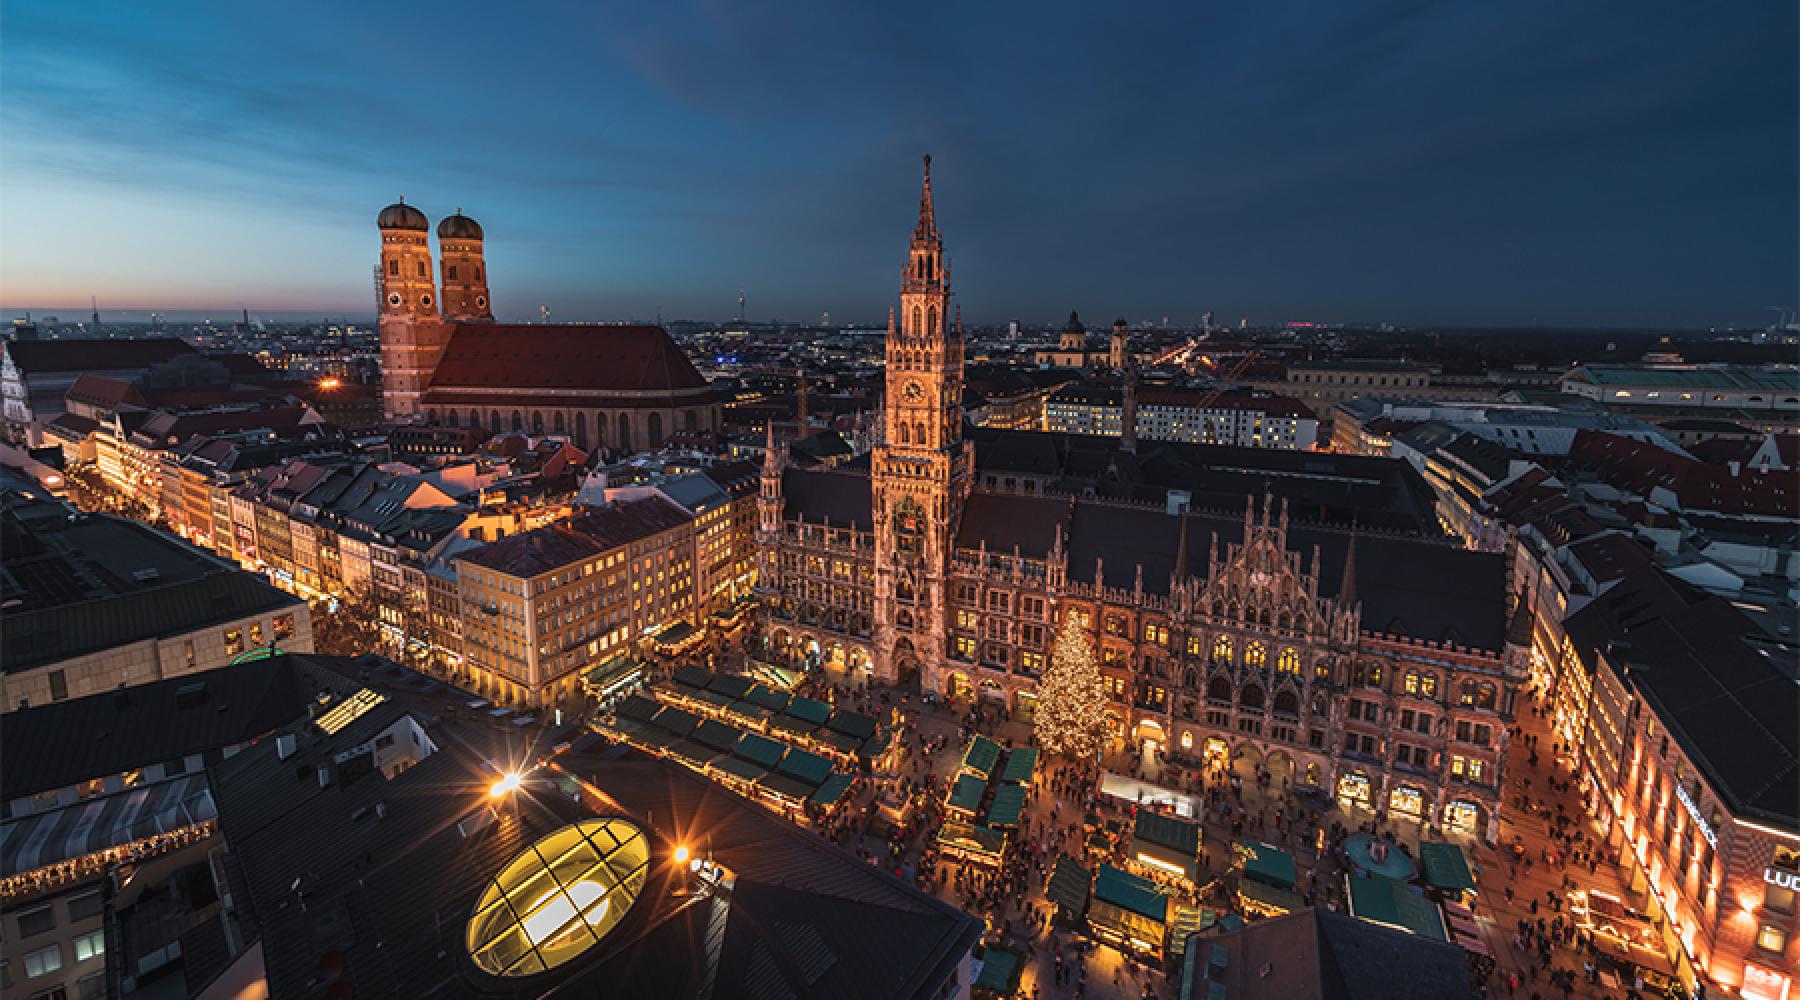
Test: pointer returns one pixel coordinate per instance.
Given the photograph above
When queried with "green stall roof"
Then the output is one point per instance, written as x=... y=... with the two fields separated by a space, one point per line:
x=966 y=793
x=809 y=710
x=999 y=972
x=972 y=838
x=1177 y=834
x=787 y=786
x=808 y=767
x=718 y=735
x=982 y=755
x=612 y=668
x=1269 y=865
x=792 y=726
x=832 y=790
x=875 y=746
x=853 y=724
x=677 y=721
x=740 y=768
x=694 y=753
x=760 y=750
x=1069 y=885
x=1445 y=867
x=1390 y=901
x=768 y=697
x=1009 y=802
x=692 y=676
x=732 y=686
x=1131 y=893
x=637 y=707
x=1020 y=763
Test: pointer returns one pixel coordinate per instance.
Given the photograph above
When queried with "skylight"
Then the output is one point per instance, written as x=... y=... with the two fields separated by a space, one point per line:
x=559 y=897
x=348 y=710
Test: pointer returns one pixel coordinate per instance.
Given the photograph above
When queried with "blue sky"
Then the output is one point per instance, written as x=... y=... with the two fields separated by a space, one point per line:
x=1606 y=162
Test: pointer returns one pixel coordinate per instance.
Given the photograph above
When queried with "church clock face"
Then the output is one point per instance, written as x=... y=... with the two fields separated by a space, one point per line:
x=913 y=392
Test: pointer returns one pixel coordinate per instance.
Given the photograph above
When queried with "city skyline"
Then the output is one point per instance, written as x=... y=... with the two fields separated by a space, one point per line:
x=1402 y=165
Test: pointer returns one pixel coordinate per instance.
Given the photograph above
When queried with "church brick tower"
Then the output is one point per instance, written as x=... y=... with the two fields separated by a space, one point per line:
x=922 y=471
x=413 y=335
x=464 y=272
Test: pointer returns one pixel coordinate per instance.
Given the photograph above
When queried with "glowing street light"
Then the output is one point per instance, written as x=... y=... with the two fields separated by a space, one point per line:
x=508 y=782
x=681 y=854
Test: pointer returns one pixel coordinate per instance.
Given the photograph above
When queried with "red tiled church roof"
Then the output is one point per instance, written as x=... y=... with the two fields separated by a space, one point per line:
x=530 y=356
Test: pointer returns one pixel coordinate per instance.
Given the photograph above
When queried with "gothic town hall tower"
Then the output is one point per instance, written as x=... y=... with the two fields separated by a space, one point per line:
x=922 y=470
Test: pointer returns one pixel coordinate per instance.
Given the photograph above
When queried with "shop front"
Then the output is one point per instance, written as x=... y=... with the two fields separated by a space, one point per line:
x=1354 y=791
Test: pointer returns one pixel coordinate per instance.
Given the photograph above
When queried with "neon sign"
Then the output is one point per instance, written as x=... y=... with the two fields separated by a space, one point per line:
x=1693 y=810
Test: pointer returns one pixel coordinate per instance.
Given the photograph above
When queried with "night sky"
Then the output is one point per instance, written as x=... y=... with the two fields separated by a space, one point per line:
x=1460 y=163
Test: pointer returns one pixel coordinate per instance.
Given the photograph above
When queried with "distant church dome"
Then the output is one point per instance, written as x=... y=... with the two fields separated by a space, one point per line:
x=459 y=227
x=400 y=215
x=1074 y=324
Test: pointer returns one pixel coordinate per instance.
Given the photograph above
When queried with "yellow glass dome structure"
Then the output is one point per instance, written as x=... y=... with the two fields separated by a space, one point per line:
x=559 y=897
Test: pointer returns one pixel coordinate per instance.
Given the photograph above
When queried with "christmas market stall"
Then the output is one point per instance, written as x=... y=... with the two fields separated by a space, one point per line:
x=1266 y=885
x=975 y=844
x=1393 y=903
x=1069 y=888
x=1165 y=847
x=1128 y=912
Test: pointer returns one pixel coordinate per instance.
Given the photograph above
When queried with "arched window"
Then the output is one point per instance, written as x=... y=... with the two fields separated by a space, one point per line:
x=475 y=419
x=1428 y=686
x=624 y=441
x=1287 y=701
x=1322 y=669
x=919 y=432
x=931 y=322
x=580 y=429
x=494 y=423
x=1255 y=654
x=690 y=419
x=918 y=320
x=656 y=433
x=1222 y=649
x=1375 y=675
x=537 y=421
x=518 y=423
x=1218 y=688
x=556 y=422
x=1289 y=662
x=1253 y=696
x=431 y=415
x=455 y=418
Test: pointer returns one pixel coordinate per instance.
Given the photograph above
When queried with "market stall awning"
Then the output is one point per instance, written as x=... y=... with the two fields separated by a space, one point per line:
x=1267 y=864
x=971 y=839
x=767 y=697
x=853 y=724
x=965 y=795
x=732 y=686
x=982 y=756
x=1445 y=867
x=833 y=789
x=791 y=726
x=676 y=636
x=875 y=746
x=843 y=743
x=808 y=767
x=1130 y=893
x=637 y=707
x=809 y=710
x=760 y=750
x=1069 y=885
x=999 y=972
x=1172 y=832
x=738 y=767
x=610 y=673
x=788 y=787
x=692 y=676
x=1383 y=900
x=717 y=735
x=1009 y=802
x=1270 y=899
x=676 y=720
x=697 y=754
x=1020 y=763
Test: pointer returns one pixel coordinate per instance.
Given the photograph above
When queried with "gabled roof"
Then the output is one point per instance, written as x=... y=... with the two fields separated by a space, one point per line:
x=1639 y=467
x=550 y=356
x=1318 y=954
x=47 y=356
x=842 y=498
x=106 y=392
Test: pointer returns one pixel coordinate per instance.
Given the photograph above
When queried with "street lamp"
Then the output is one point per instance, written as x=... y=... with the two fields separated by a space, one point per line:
x=508 y=782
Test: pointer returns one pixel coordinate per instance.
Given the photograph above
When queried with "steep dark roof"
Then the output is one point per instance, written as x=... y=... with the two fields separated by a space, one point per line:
x=1379 y=493
x=45 y=356
x=1430 y=591
x=842 y=498
x=1005 y=520
x=522 y=356
x=1316 y=954
x=1725 y=692
x=59 y=744
x=590 y=532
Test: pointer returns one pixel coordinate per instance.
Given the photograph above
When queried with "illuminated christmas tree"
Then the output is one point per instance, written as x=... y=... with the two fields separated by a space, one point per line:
x=1071 y=708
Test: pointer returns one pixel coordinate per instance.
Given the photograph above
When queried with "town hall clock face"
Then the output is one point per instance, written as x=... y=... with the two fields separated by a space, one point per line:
x=913 y=392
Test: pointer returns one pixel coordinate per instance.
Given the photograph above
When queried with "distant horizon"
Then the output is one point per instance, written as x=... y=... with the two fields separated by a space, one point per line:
x=1388 y=161
x=76 y=315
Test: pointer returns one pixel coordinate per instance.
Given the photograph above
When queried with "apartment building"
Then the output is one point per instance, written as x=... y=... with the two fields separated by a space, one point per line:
x=540 y=606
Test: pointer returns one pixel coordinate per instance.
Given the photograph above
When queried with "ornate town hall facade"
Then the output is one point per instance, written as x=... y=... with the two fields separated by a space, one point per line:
x=1378 y=664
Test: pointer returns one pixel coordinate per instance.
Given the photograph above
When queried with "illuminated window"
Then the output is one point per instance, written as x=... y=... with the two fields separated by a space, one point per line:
x=1255 y=654
x=559 y=897
x=1222 y=648
x=1772 y=938
x=1289 y=662
x=234 y=641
